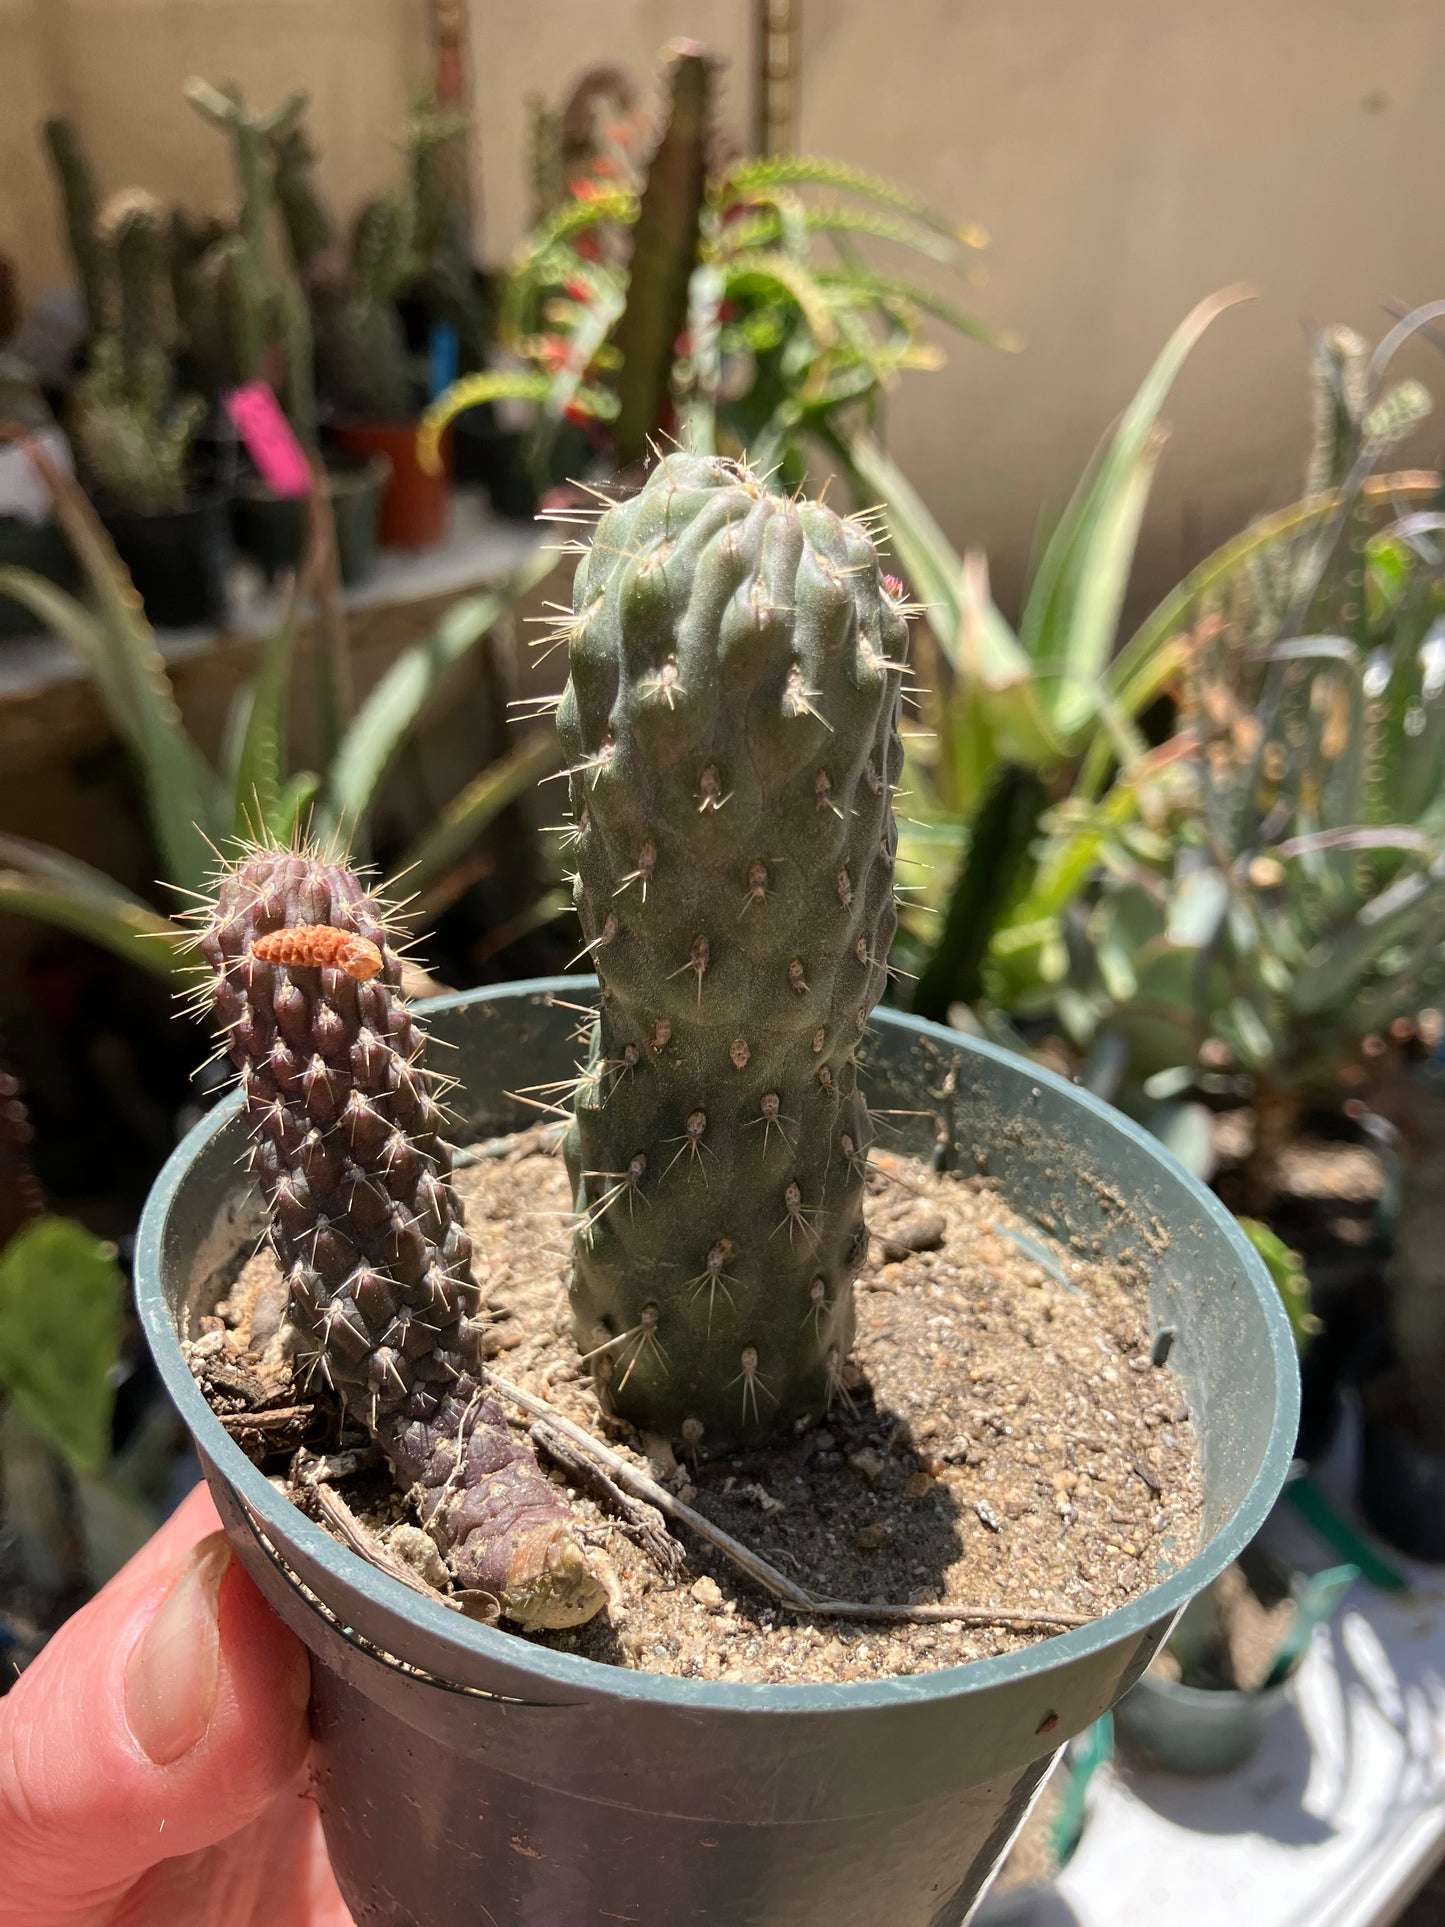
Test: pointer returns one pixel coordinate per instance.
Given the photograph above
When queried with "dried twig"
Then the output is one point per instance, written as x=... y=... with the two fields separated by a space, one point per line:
x=941 y=1614
x=634 y=1480
x=637 y=1519
x=793 y=1596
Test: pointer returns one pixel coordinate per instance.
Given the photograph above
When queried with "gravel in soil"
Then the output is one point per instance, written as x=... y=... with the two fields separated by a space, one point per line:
x=1004 y=1441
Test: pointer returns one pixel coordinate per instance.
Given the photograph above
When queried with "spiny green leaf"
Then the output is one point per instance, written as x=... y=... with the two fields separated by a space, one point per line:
x=761 y=173
x=1077 y=581
x=39 y=882
x=1287 y=1271
x=260 y=755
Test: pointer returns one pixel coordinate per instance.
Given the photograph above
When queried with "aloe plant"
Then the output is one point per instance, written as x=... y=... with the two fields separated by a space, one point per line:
x=1272 y=884
x=1015 y=714
x=195 y=808
x=690 y=296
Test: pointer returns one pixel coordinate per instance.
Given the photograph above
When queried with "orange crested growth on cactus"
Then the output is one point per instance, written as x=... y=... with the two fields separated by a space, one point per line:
x=319 y=946
x=347 y=1125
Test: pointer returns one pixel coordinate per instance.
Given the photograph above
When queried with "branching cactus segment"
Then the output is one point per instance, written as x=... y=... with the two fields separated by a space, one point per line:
x=731 y=722
x=346 y=1126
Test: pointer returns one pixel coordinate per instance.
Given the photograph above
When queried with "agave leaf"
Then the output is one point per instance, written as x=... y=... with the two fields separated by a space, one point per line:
x=377 y=732
x=1197 y=909
x=996 y=678
x=182 y=795
x=61 y=1301
x=1084 y=568
x=1187 y=1132
x=1350 y=952
x=39 y=882
x=474 y=808
x=924 y=552
x=256 y=768
x=293 y=804
x=664 y=253
x=1093 y=618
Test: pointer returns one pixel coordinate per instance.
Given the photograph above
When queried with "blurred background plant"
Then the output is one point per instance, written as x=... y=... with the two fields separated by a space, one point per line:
x=1256 y=897
x=85 y=1474
x=195 y=811
x=670 y=288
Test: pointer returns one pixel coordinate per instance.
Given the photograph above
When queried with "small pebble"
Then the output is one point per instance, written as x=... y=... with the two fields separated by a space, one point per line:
x=707 y=1592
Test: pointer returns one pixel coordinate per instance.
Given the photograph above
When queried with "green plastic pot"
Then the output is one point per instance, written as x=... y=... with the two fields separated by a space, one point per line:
x=1194 y=1730
x=469 y=1778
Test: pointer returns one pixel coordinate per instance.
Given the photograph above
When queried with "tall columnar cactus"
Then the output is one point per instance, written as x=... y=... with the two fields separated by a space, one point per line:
x=81 y=201
x=363 y=348
x=731 y=721
x=346 y=1128
x=240 y=293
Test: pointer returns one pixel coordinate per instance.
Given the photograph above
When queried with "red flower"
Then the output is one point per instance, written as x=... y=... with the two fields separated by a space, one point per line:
x=587 y=247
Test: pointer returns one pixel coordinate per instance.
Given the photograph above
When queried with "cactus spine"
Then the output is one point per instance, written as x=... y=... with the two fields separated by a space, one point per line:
x=731 y=722
x=346 y=1130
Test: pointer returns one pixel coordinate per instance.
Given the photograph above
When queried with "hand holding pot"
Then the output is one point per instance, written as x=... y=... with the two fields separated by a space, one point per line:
x=153 y=1759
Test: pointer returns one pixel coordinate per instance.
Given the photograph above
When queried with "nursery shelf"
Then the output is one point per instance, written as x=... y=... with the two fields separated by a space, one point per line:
x=1337 y=1820
x=46 y=707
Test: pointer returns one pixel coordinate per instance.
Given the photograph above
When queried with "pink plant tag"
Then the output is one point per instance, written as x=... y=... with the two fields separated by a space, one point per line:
x=270 y=439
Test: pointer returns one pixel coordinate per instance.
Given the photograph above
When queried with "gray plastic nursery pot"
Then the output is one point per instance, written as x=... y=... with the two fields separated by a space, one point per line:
x=1194 y=1730
x=469 y=1778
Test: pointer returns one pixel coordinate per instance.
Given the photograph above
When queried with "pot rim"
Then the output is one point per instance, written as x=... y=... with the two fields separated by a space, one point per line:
x=282 y=1522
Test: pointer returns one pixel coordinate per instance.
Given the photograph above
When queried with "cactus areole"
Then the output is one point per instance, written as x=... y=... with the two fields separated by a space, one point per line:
x=730 y=720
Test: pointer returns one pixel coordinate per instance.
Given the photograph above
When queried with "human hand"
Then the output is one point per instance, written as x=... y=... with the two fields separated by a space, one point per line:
x=153 y=1758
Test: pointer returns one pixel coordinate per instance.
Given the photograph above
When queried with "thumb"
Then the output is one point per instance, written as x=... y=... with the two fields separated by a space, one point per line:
x=163 y=1717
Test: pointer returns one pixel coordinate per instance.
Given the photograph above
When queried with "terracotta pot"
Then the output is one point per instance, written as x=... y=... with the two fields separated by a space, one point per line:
x=413 y=503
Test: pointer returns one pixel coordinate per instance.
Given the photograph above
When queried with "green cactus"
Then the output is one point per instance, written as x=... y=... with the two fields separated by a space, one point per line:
x=346 y=1128
x=364 y=362
x=133 y=435
x=242 y=302
x=81 y=201
x=443 y=269
x=310 y=230
x=731 y=721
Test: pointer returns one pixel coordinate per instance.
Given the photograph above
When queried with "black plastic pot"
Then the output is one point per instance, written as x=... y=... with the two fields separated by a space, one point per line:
x=176 y=557
x=271 y=528
x=1401 y=1489
x=484 y=452
x=41 y=548
x=469 y=1778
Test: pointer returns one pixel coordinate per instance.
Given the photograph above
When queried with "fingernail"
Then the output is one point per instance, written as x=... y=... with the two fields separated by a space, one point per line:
x=170 y=1678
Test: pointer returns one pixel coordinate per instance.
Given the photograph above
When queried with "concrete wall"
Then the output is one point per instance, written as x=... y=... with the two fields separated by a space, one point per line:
x=1128 y=156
